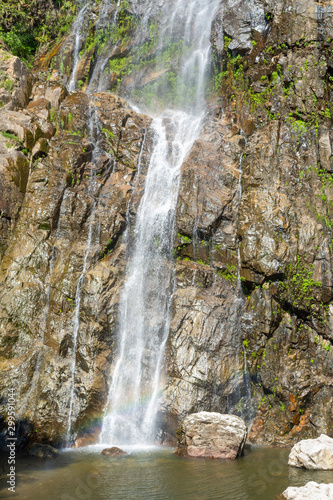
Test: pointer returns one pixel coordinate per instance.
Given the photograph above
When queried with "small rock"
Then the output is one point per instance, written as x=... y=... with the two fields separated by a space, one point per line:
x=113 y=452
x=311 y=491
x=313 y=454
x=211 y=435
x=43 y=451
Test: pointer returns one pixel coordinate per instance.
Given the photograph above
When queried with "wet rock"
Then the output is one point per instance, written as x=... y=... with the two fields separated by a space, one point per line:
x=211 y=435
x=85 y=440
x=204 y=319
x=311 y=491
x=325 y=150
x=43 y=451
x=20 y=124
x=40 y=107
x=41 y=148
x=313 y=454
x=113 y=452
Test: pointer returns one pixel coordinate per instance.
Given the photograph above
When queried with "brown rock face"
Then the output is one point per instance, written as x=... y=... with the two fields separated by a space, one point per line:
x=211 y=435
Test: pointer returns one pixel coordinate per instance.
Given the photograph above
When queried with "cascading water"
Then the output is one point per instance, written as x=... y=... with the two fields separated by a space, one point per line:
x=78 y=34
x=144 y=311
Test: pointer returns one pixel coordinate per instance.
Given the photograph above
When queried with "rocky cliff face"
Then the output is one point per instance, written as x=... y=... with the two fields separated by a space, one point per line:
x=252 y=319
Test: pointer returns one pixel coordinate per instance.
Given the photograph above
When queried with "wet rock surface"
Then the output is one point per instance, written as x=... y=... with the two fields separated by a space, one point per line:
x=211 y=435
x=313 y=454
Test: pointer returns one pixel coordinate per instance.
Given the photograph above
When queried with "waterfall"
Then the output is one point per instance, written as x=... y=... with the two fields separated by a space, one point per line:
x=144 y=310
x=78 y=35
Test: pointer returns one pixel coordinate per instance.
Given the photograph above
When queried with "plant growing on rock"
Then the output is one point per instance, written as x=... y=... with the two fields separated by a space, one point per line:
x=298 y=287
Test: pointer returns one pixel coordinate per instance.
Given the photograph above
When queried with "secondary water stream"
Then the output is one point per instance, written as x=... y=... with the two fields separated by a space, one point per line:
x=92 y=193
x=78 y=34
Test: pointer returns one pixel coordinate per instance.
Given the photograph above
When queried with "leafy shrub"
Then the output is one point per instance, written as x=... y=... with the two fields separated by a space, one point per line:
x=26 y=25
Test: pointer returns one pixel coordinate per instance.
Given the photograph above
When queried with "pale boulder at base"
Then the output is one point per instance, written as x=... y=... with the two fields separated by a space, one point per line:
x=311 y=491
x=211 y=435
x=313 y=454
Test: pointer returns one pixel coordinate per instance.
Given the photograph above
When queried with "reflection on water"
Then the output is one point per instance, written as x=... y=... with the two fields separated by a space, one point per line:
x=156 y=474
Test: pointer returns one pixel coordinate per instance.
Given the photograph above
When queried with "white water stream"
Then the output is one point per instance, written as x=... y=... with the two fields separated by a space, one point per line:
x=78 y=34
x=144 y=311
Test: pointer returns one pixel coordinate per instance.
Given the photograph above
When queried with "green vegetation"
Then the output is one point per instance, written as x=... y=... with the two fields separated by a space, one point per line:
x=13 y=137
x=125 y=24
x=234 y=83
x=117 y=66
x=185 y=239
x=109 y=136
x=26 y=25
x=299 y=285
x=228 y=273
x=5 y=82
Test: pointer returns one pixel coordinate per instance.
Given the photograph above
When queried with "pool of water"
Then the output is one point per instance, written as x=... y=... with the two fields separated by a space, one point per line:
x=156 y=474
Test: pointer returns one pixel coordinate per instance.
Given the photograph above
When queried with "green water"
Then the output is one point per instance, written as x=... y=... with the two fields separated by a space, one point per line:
x=157 y=474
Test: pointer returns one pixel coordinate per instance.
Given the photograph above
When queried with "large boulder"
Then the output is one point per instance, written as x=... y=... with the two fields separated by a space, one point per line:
x=313 y=454
x=211 y=435
x=311 y=491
